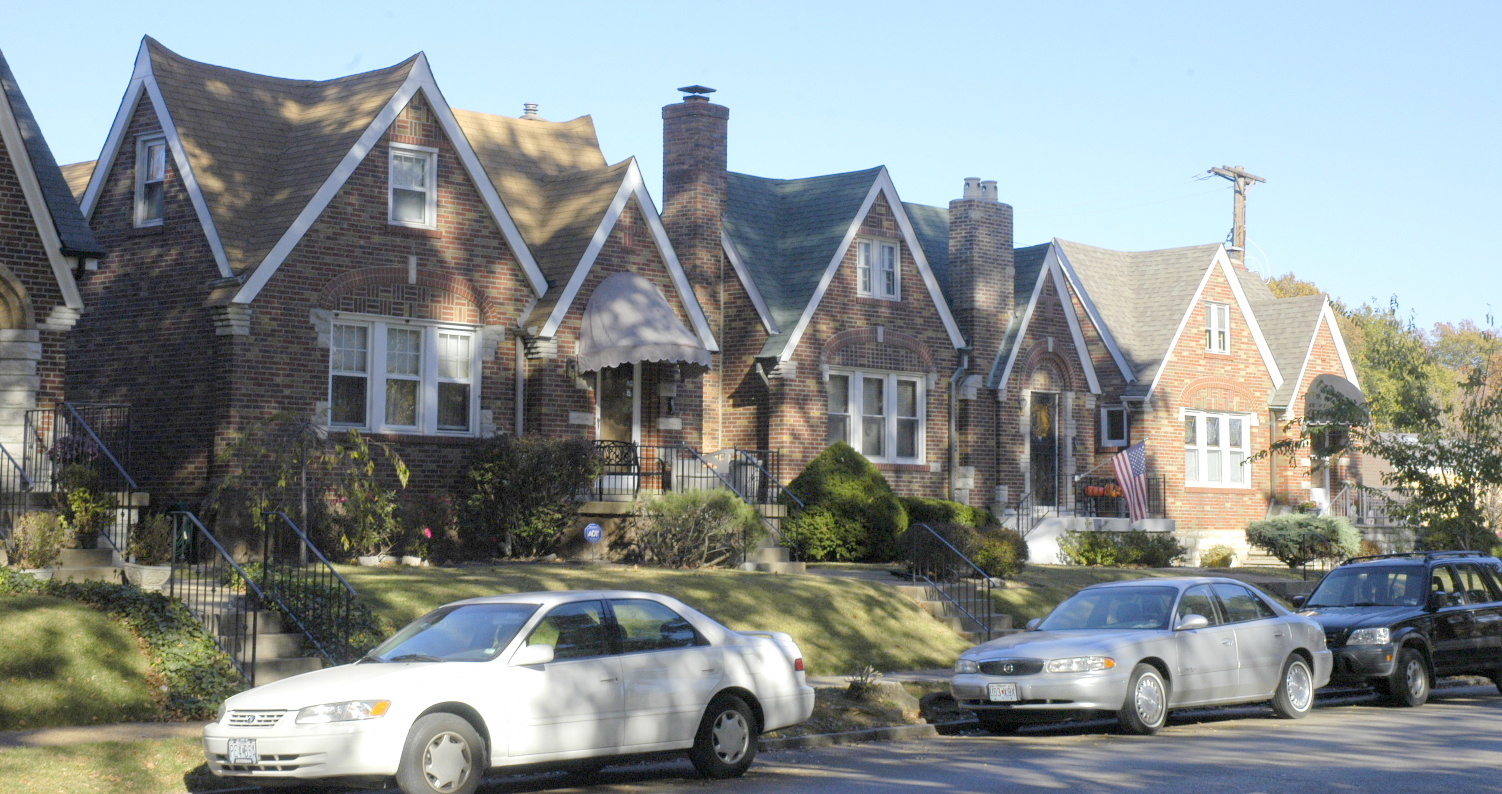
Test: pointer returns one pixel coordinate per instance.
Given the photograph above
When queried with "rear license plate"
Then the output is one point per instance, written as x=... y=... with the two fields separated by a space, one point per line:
x=1005 y=693
x=242 y=751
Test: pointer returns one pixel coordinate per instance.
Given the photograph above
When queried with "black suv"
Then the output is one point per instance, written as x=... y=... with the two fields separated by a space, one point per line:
x=1398 y=620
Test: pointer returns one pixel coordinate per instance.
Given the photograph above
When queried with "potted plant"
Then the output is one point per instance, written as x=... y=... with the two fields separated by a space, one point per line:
x=150 y=550
x=86 y=510
x=36 y=543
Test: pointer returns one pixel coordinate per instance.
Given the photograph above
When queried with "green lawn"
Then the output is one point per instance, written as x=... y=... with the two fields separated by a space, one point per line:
x=75 y=666
x=840 y=624
x=156 y=766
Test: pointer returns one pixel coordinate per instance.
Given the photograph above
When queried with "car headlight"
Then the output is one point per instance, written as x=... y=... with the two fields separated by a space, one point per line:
x=1370 y=637
x=1080 y=664
x=343 y=712
x=967 y=666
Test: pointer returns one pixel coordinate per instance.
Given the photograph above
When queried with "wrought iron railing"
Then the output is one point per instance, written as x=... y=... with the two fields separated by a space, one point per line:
x=945 y=570
x=95 y=437
x=217 y=590
x=1027 y=514
x=304 y=584
x=15 y=494
x=1101 y=497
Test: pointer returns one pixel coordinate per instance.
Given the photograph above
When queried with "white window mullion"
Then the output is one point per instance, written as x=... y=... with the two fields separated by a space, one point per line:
x=428 y=386
x=378 y=378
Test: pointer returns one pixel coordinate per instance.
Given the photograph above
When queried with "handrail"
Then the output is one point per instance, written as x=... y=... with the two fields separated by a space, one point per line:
x=782 y=489
x=200 y=600
x=776 y=533
x=104 y=448
x=948 y=578
x=321 y=558
x=26 y=481
x=326 y=625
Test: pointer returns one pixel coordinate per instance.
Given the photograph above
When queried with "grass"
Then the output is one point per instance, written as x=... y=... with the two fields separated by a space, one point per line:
x=840 y=624
x=155 y=766
x=75 y=667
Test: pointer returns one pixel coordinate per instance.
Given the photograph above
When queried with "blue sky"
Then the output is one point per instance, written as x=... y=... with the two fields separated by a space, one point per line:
x=1375 y=124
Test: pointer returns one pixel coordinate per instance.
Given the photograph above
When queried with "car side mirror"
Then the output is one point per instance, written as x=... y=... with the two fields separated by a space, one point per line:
x=529 y=655
x=1438 y=599
x=1032 y=625
x=1298 y=601
x=1191 y=621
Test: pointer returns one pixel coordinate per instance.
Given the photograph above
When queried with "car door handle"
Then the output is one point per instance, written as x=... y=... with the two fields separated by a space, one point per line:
x=1228 y=642
x=710 y=670
x=609 y=680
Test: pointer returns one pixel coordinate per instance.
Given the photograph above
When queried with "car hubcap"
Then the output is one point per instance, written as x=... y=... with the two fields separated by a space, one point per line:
x=1416 y=678
x=731 y=736
x=446 y=762
x=1298 y=686
x=1149 y=699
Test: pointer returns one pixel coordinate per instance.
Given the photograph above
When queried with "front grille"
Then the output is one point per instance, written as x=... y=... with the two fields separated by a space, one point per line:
x=1335 y=637
x=253 y=719
x=264 y=764
x=1012 y=667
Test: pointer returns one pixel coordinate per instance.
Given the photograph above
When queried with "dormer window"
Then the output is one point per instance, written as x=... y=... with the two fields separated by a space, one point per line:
x=414 y=190
x=151 y=180
x=877 y=270
x=1218 y=327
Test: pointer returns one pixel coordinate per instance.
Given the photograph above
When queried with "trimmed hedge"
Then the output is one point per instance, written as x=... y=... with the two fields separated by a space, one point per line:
x=921 y=510
x=997 y=551
x=196 y=675
x=1121 y=549
x=1298 y=539
x=850 y=511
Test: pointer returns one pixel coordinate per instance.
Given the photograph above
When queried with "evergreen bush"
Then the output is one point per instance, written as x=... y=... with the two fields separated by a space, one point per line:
x=518 y=495
x=1298 y=539
x=695 y=529
x=1120 y=549
x=868 y=518
x=921 y=510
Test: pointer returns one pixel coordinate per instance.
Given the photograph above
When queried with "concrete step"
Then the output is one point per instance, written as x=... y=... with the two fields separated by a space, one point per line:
x=768 y=554
x=267 y=646
x=263 y=622
x=70 y=573
x=265 y=671
x=87 y=558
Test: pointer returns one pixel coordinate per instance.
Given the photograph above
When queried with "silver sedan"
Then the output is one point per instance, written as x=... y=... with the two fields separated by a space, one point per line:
x=1140 y=648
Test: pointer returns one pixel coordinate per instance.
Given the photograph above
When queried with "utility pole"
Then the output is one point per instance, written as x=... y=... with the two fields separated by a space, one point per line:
x=1243 y=181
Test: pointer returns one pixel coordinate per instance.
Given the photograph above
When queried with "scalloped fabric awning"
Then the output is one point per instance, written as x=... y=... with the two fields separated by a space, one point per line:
x=627 y=321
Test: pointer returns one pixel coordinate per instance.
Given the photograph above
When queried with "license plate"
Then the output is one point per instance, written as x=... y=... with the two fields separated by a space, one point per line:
x=1005 y=693
x=243 y=751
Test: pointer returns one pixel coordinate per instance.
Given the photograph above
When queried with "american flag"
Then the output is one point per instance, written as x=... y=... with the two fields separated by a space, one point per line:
x=1131 y=474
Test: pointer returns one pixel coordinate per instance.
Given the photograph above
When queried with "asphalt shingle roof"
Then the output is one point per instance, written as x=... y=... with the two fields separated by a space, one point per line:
x=1288 y=325
x=73 y=231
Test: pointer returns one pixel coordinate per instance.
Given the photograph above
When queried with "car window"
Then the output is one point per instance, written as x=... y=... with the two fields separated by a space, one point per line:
x=466 y=633
x=1376 y=585
x=1112 y=608
x=1198 y=600
x=1476 y=584
x=1442 y=580
x=650 y=626
x=1241 y=604
x=575 y=631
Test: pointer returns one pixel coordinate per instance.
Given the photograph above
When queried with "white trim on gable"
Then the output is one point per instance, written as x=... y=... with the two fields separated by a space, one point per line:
x=750 y=286
x=882 y=185
x=1075 y=332
x=1223 y=262
x=632 y=185
x=1027 y=318
x=41 y=214
x=1094 y=313
x=1327 y=313
x=420 y=78
x=116 y=137
x=1052 y=267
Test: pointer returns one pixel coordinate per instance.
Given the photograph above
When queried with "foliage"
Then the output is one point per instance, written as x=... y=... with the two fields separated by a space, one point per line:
x=1148 y=549
x=151 y=541
x=867 y=515
x=37 y=540
x=79 y=495
x=817 y=535
x=518 y=495
x=695 y=529
x=862 y=680
x=921 y=510
x=363 y=511
x=196 y=676
x=997 y=551
x=1001 y=552
x=429 y=526
x=1217 y=556
x=1298 y=539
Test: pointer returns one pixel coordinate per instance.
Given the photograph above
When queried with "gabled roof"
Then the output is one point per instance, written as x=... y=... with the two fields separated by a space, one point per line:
x=931 y=224
x=1288 y=324
x=73 y=233
x=77 y=175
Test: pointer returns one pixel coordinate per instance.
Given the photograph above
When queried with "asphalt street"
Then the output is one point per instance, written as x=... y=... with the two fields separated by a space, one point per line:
x=1450 y=745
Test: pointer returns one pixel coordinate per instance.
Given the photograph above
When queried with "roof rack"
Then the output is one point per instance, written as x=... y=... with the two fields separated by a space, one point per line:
x=1426 y=555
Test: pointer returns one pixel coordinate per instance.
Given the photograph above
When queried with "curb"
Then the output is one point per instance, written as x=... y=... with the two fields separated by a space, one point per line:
x=892 y=733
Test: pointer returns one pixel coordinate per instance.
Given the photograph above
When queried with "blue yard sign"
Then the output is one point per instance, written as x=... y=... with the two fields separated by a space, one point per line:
x=593 y=533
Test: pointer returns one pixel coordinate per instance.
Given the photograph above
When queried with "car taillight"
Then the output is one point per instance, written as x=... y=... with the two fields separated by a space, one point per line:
x=798 y=665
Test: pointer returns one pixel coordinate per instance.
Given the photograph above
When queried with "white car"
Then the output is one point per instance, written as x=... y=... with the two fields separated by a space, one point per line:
x=529 y=678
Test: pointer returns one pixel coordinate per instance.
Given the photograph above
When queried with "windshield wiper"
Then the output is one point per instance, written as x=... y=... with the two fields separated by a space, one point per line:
x=415 y=657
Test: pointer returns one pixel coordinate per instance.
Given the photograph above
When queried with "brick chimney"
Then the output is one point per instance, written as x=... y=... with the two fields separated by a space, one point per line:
x=981 y=268
x=694 y=185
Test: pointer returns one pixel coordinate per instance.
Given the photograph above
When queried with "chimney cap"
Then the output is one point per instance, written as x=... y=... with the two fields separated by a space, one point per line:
x=696 y=89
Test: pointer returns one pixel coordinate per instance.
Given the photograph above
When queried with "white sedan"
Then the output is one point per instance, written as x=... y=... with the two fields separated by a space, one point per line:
x=513 y=680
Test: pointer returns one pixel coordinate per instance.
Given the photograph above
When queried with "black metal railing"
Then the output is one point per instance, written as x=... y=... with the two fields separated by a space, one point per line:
x=945 y=570
x=302 y=581
x=217 y=590
x=95 y=437
x=15 y=493
x=1101 y=497
x=1027 y=514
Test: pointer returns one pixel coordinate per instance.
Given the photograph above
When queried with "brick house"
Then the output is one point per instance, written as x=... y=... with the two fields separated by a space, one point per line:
x=44 y=242
x=357 y=253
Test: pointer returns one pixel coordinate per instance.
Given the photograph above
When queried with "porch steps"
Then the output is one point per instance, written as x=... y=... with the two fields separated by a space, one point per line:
x=87 y=565
x=950 y=615
x=771 y=557
x=276 y=655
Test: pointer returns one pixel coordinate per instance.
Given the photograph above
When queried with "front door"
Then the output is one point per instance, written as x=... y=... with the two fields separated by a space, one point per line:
x=618 y=402
x=1044 y=447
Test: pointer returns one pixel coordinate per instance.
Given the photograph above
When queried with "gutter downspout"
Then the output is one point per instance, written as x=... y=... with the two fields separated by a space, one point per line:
x=521 y=384
x=954 y=381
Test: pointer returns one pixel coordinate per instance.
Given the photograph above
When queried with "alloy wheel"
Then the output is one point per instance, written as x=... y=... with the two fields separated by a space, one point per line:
x=1299 y=686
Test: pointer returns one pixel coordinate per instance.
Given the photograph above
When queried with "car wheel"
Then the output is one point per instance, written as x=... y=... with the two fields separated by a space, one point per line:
x=726 y=742
x=1409 y=685
x=999 y=724
x=1295 y=696
x=443 y=755
x=1146 y=707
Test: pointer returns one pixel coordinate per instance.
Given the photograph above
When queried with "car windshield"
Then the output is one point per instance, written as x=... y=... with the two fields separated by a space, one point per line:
x=464 y=633
x=1110 y=608
x=1372 y=586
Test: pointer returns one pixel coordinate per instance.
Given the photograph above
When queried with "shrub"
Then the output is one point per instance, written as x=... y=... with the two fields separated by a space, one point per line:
x=518 y=495
x=85 y=509
x=868 y=516
x=1299 y=539
x=151 y=541
x=1218 y=556
x=695 y=529
x=429 y=528
x=1117 y=549
x=818 y=535
x=363 y=510
x=37 y=540
x=1001 y=552
x=921 y=510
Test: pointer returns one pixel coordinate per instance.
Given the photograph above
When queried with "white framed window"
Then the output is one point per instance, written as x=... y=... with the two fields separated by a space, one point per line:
x=413 y=197
x=880 y=414
x=1113 y=426
x=1218 y=327
x=151 y=180
x=1215 y=449
x=395 y=376
x=877 y=273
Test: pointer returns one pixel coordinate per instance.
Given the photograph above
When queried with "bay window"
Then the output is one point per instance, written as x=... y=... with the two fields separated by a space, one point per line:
x=396 y=376
x=1215 y=449
x=880 y=414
